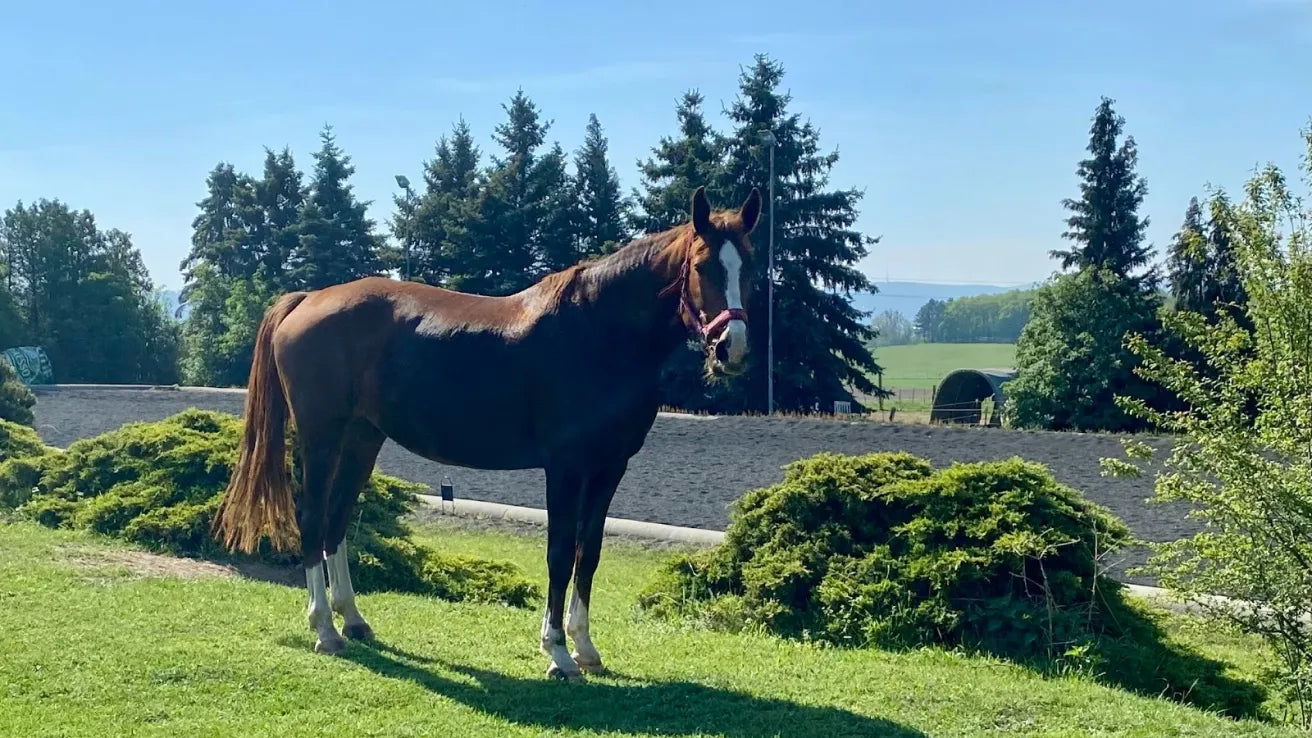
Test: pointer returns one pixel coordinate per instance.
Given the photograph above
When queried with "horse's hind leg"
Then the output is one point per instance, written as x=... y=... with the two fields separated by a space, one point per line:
x=359 y=452
x=319 y=448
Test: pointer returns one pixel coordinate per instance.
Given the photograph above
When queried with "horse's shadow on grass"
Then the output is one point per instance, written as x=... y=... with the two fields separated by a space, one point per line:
x=629 y=706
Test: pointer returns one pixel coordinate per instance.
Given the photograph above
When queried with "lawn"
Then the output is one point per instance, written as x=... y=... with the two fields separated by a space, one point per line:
x=924 y=365
x=94 y=645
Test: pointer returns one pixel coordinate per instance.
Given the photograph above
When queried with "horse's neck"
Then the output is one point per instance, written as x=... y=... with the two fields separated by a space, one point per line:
x=627 y=295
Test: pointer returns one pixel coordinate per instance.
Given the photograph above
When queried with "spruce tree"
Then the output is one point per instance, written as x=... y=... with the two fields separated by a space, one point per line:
x=1072 y=359
x=603 y=209
x=1226 y=289
x=441 y=226
x=821 y=340
x=1105 y=225
x=221 y=231
x=336 y=241
x=280 y=196
x=677 y=167
x=1187 y=262
x=558 y=243
x=522 y=226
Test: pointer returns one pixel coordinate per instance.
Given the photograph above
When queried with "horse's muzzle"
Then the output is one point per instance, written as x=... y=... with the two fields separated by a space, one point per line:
x=729 y=347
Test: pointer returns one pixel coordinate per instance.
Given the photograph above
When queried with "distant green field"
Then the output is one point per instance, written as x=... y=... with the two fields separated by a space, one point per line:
x=925 y=364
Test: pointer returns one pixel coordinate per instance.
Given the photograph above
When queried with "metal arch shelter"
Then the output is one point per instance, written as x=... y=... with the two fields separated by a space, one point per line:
x=961 y=392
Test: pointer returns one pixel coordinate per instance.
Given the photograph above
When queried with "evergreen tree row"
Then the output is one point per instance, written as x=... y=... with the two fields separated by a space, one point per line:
x=495 y=229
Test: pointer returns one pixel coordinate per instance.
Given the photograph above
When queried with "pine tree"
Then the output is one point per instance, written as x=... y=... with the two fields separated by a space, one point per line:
x=336 y=241
x=821 y=341
x=1105 y=224
x=1187 y=262
x=677 y=168
x=603 y=210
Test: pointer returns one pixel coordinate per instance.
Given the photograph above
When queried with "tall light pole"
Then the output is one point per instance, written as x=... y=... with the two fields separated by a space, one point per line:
x=769 y=140
x=404 y=183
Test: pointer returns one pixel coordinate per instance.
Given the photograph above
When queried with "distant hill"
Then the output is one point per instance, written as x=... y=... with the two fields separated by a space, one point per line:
x=908 y=297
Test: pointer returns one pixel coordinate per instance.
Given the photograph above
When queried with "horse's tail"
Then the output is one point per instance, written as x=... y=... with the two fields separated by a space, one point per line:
x=258 y=500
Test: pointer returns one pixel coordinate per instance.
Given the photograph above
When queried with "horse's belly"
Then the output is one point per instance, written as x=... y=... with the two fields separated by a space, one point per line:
x=460 y=412
x=464 y=441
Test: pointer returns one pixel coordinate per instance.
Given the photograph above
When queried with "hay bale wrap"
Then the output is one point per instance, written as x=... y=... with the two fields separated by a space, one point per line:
x=31 y=364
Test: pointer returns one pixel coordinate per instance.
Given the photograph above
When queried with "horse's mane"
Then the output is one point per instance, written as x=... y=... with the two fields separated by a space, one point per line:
x=558 y=286
x=606 y=267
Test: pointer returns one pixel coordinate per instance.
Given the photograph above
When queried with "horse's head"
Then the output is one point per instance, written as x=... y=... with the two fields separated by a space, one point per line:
x=718 y=283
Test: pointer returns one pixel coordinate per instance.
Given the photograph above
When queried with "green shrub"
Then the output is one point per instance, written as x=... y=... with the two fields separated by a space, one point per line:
x=18 y=441
x=881 y=549
x=16 y=399
x=159 y=485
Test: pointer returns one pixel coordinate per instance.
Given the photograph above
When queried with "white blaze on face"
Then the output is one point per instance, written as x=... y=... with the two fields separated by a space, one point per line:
x=736 y=332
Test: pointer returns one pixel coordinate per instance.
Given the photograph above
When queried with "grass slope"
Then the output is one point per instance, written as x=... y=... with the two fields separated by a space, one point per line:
x=924 y=365
x=97 y=650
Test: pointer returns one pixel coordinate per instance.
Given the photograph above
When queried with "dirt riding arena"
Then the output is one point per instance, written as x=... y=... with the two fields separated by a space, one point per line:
x=690 y=468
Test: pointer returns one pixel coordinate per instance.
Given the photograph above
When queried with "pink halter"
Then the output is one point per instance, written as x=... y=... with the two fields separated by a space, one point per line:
x=691 y=320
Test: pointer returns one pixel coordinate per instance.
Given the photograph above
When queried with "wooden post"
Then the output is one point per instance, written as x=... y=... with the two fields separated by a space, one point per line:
x=881 y=391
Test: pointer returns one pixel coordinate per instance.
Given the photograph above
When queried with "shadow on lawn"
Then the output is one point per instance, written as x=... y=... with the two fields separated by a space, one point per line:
x=1142 y=658
x=629 y=706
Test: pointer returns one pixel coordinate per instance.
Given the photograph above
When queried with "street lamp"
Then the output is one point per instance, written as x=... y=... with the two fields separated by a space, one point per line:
x=403 y=182
x=769 y=140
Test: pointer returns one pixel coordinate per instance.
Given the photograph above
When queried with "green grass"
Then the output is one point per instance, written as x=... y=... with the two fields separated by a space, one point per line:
x=94 y=650
x=924 y=365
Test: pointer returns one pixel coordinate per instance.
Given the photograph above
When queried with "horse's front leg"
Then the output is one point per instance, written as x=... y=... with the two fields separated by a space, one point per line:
x=563 y=490
x=592 y=521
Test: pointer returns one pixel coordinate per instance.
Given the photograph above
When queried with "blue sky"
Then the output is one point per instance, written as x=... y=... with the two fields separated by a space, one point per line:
x=963 y=121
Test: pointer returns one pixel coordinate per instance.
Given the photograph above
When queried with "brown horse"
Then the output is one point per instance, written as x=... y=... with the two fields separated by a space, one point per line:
x=561 y=376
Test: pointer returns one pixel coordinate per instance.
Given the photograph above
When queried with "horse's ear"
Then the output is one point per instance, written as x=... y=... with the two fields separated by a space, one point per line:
x=751 y=210
x=701 y=212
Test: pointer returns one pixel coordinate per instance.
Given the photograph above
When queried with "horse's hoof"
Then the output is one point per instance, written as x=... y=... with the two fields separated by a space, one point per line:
x=589 y=666
x=358 y=631
x=330 y=646
x=565 y=675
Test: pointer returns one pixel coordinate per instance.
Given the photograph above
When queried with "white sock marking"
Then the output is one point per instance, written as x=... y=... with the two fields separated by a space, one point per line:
x=733 y=295
x=342 y=594
x=577 y=628
x=319 y=613
x=553 y=645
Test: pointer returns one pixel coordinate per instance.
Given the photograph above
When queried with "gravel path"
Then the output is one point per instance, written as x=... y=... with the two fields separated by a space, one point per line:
x=691 y=468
